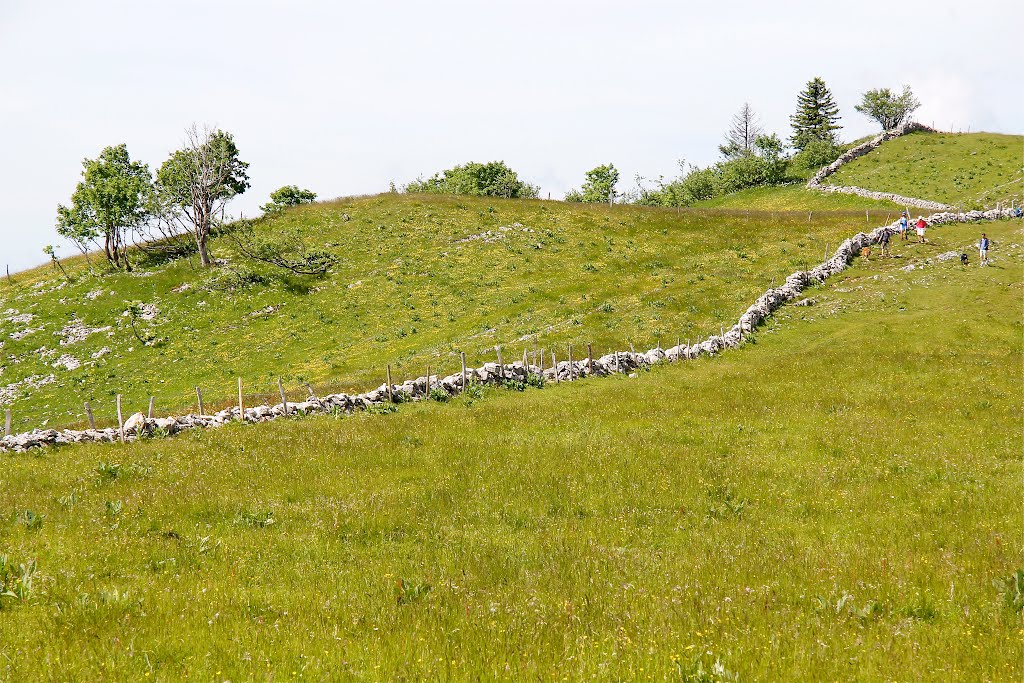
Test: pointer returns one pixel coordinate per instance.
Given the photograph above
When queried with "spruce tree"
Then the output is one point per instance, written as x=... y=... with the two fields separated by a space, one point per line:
x=816 y=115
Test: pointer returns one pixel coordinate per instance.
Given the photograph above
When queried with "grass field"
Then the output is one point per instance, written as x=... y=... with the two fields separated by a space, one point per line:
x=833 y=501
x=976 y=169
x=420 y=278
x=796 y=197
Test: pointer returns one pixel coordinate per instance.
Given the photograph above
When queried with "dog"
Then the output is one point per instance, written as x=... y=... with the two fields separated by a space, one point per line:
x=963 y=259
x=866 y=253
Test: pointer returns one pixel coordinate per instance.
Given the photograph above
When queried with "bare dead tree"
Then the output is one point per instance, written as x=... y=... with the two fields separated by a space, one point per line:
x=742 y=134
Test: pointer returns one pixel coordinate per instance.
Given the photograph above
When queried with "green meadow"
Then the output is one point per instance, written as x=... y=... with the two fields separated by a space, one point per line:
x=976 y=170
x=419 y=280
x=839 y=499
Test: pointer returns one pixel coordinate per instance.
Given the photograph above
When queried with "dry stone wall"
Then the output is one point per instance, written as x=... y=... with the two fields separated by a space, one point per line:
x=138 y=425
x=859 y=151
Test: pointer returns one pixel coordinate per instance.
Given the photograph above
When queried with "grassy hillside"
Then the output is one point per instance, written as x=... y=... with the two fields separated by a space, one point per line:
x=976 y=169
x=420 y=279
x=830 y=502
x=796 y=197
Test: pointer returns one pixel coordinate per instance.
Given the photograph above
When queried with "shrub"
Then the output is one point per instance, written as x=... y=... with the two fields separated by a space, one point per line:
x=816 y=154
x=493 y=179
x=287 y=196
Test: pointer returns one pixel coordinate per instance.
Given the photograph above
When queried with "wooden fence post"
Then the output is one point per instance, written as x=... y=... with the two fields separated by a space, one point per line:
x=241 y=403
x=535 y=352
x=309 y=389
x=120 y=419
x=7 y=421
x=570 y=363
x=199 y=397
x=391 y=394
x=526 y=361
x=149 y=414
x=501 y=365
x=463 y=356
x=428 y=379
x=590 y=359
x=554 y=364
x=88 y=414
x=284 y=401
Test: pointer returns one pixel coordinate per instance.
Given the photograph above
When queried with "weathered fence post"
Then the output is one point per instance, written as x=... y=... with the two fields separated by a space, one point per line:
x=151 y=401
x=280 y=390
x=391 y=395
x=570 y=363
x=7 y=421
x=554 y=365
x=501 y=365
x=120 y=419
x=867 y=216
x=428 y=379
x=199 y=397
x=590 y=359
x=463 y=356
x=88 y=414
x=241 y=403
x=526 y=361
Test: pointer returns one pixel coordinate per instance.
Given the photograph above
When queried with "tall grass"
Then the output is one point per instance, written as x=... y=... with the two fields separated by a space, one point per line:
x=838 y=500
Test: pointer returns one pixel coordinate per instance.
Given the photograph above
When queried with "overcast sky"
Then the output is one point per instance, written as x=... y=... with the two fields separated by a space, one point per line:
x=344 y=97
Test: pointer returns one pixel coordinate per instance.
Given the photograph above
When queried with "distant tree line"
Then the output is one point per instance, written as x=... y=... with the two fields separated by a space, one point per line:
x=750 y=157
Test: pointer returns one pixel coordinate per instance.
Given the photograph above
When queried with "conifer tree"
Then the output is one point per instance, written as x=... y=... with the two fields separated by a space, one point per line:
x=816 y=115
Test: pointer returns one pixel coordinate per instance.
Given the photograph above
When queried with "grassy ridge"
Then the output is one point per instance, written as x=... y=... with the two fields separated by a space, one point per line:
x=976 y=169
x=420 y=278
x=830 y=502
x=796 y=197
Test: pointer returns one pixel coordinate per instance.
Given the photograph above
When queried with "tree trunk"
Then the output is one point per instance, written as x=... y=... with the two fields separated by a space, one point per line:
x=204 y=255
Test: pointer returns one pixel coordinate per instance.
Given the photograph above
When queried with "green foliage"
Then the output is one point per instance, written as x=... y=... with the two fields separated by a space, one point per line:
x=816 y=154
x=16 y=580
x=286 y=197
x=407 y=591
x=765 y=166
x=598 y=187
x=440 y=395
x=888 y=108
x=110 y=201
x=816 y=115
x=493 y=179
x=233 y=278
x=1011 y=587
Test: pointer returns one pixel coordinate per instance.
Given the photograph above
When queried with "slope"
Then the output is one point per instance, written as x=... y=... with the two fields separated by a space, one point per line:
x=419 y=279
x=976 y=169
x=849 y=483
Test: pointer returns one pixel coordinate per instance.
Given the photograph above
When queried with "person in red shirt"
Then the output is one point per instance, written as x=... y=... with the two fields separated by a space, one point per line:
x=921 y=225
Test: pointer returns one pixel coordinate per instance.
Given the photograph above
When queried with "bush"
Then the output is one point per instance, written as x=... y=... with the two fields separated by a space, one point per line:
x=493 y=179
x=816 y=154
x=287 y=196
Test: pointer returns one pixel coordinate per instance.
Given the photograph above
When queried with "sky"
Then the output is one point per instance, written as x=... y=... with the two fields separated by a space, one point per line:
x=345 y=97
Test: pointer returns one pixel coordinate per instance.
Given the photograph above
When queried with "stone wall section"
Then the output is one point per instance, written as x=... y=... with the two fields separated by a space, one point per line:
x=138 y=425
x=859 y=151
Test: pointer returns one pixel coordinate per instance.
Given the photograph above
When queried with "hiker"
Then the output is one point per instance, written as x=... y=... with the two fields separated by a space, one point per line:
x=983 y=246
x=883 y=241
x=921 y=225
x=904 y=225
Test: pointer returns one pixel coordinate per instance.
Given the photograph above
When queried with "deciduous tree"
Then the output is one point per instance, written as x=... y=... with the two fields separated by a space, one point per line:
x=888 y=108
x=110 y=201
x=199 y=180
